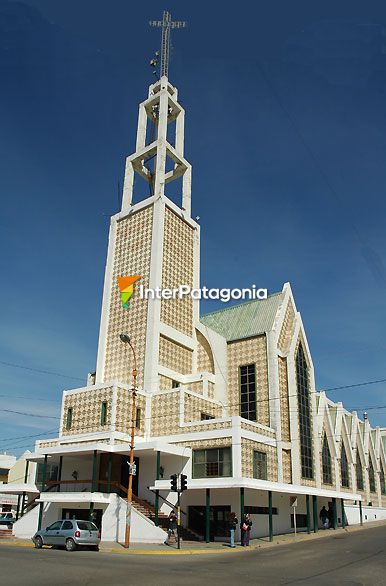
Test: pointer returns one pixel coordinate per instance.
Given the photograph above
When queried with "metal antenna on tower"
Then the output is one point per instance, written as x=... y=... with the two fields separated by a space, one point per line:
x=166 y=24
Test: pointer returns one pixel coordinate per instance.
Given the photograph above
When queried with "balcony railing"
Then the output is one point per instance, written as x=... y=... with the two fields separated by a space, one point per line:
x=86 y=486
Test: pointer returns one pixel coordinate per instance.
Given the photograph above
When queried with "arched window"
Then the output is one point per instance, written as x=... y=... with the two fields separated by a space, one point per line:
x=359 y=472
x=344 y=474
x=305 y=432
x=382 y=480
x=326 y=462
x=371 y=476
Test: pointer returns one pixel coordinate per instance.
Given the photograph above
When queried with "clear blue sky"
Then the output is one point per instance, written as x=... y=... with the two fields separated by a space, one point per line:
x=286 y=132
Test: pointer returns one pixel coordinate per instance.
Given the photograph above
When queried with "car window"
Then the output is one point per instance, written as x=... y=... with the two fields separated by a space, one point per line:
x=67 y=525
x=87 y=526
x=55 y=526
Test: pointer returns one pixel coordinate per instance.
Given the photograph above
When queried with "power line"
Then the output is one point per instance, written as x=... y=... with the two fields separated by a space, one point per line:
x=371 y=382
x=32 y=398
x=29 y=414
x=27 y=436
x=51 y=373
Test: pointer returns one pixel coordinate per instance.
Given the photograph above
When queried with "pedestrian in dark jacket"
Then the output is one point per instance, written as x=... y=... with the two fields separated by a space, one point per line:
x=233 y=522
x=245 y=527
x=323 y=516
x=172 y=529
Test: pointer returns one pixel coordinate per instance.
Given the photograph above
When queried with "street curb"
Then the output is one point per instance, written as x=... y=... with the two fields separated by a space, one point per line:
x=300 y=538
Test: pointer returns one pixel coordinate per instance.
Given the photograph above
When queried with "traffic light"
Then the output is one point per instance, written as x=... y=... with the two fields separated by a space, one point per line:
x=173 y=482
x=184 y=482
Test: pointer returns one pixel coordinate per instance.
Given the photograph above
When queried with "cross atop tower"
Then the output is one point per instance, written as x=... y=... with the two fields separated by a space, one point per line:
x=166 y=24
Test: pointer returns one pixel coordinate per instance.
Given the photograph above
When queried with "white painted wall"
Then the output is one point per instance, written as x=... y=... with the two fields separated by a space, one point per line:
x=142 y=529
x=113 y=521
x=27 y=526
x=369 y=514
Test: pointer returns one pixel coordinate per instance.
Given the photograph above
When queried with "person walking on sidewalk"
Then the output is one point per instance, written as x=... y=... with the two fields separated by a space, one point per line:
x=245 y=527
x=233 y=522
x=323 y=516
x=172 y=529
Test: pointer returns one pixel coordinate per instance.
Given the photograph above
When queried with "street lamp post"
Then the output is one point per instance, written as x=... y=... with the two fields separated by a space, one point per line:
x=125 y=338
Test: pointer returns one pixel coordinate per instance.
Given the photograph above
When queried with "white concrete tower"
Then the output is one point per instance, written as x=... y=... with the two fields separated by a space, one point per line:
x=158 y=240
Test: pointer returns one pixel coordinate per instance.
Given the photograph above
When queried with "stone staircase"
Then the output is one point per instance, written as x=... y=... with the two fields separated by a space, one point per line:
x=147 y=509
x=5 y=533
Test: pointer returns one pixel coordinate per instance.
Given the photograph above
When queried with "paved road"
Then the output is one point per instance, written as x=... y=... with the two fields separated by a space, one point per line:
x=342 y=560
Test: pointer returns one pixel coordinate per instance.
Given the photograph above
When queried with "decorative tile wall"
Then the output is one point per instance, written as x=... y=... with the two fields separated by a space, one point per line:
x=247 y=448
x=194 y=406
x=175 y=356
x=205 y=362
x=131 y=257
x=287 y=328
x=284 y=400
x=86 y=411
x=256 y=428
x=242 y=352
x=287 y=466
x=177 y=269
x=124 y=411
x=165 y=414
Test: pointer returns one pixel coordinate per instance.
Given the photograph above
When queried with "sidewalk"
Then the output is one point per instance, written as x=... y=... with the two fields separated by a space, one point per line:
x=202 y=548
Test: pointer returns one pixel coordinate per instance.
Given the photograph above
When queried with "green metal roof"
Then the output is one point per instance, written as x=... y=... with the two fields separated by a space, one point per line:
x=244 y=320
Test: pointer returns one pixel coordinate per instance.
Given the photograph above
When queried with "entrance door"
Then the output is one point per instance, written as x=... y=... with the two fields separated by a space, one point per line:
x=218 y=520
x=84 y=515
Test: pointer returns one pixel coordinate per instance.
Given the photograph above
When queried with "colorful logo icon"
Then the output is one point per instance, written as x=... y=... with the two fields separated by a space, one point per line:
x=126 y=287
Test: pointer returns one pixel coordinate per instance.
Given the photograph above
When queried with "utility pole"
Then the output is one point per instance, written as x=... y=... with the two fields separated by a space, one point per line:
x=127 y=340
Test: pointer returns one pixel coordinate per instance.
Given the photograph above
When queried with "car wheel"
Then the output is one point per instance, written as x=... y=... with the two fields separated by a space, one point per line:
x=70 y=544
x=38 y=542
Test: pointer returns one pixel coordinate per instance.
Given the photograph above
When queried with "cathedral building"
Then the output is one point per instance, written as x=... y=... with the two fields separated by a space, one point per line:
x=227 y=398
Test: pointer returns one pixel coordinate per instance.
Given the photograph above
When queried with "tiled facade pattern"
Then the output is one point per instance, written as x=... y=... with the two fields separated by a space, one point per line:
x=177 y=269
x=242 y=352
x=175 y=356
x=287 y=328
x=287 y=466
x=284 y=400
x=205 y=426
x=247 y=449
x=196 y=387
x=210 y=390
x=195 y=406
x=124 y=415
x=86 y=411
x=131 y=257
x=47 y=444
x=205 y=362
x=256 y=428
x=165 y=414
x=85 y=442
x=219 y=442
x=165 y=383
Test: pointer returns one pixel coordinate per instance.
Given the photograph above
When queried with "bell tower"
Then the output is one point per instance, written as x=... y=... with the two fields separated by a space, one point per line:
x=157 y=240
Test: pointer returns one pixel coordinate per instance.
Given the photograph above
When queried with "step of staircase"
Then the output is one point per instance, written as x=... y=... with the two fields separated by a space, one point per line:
x=148 y=510
x=5 y=533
